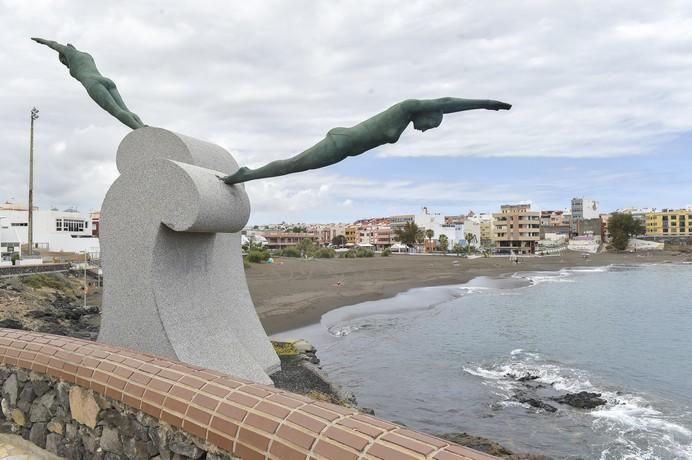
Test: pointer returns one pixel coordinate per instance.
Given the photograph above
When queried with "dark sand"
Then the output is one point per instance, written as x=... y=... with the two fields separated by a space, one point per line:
x=293 y=293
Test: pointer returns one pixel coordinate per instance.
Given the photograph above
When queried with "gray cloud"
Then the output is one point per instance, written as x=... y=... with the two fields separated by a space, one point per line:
x=268 y=79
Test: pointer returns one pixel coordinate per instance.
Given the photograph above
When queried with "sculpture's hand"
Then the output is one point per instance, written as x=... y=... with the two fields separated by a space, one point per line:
x=497 y=105
x=40 y=40
x=50 y=43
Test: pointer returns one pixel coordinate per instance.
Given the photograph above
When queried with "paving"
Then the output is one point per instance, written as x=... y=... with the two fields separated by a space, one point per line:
x=15 y=448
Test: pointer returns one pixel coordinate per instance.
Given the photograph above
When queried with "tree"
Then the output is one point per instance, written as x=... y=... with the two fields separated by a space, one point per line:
x=429 y=233
x=420 y=236
x=306 y=246
x=407 y=233
x=470 y=239
x=621 y=227
x=298 y=229
x=339 y=240
x=443 y=241
x=458 y=249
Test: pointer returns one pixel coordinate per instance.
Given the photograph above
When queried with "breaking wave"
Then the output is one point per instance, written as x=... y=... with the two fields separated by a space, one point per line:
x=636 y=428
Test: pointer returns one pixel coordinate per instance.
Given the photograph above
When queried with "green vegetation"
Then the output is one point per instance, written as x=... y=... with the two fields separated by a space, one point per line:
x=443 y=243
x=458 y=249
x=291 y=251
x=408 y=234
x=470 y=239
x=621 y=228
x=298 y=229
x=257 y=256
x=339 y=240
x=324 y=253
x=358 y=252
x=15 y=258
x=386 y=252
x=44 y=281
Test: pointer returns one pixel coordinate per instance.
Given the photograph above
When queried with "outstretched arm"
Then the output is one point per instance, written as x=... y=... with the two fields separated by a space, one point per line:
x=51 y=44
x=453 y=104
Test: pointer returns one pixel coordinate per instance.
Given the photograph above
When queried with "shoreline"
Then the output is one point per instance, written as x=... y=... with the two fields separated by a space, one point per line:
x=295 y=293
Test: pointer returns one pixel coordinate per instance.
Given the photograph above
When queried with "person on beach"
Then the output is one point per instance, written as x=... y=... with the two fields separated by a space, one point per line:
x=384 y=128
x=101 y=89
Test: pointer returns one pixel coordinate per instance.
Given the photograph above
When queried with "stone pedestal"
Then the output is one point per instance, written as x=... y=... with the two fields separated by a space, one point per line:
x=174 y=282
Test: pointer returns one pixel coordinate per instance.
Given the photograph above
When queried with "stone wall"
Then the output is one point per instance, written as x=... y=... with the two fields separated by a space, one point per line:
x=29 y=269
x=82 y=399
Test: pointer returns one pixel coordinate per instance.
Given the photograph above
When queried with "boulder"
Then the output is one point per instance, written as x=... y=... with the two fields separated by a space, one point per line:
x=83 y=406
x=582 y=400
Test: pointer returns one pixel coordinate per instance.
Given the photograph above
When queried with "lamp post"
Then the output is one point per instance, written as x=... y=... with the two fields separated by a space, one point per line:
x=30 y=238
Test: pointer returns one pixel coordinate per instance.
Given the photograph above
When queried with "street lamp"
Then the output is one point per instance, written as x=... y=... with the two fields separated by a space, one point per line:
x=30 y=238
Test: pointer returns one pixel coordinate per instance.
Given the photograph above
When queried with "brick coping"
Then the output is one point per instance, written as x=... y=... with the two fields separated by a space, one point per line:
x=246 y=419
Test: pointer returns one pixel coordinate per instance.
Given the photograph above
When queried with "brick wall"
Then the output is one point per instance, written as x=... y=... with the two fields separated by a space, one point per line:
x=245 y=419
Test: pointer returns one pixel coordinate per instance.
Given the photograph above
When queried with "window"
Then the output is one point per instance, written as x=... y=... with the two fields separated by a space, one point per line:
x=58 y=225
x=71 y=225
x=19 y=224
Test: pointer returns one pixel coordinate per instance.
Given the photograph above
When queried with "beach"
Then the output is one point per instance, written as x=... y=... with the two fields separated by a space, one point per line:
x=292 y=293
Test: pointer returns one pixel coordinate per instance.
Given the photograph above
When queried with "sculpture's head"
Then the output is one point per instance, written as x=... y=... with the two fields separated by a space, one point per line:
x=423 y=121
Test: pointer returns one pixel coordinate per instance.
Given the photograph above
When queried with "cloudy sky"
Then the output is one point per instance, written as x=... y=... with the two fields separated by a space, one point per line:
x=602 y=96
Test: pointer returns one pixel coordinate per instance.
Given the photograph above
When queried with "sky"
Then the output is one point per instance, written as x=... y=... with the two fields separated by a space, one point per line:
x=601 y=95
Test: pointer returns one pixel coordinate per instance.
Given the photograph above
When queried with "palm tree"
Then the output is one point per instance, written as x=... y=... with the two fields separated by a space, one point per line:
x=443 y=241
x=470 y=239
x=420 y=236
x=429 y=233
x=407 y=233
x=458 y=249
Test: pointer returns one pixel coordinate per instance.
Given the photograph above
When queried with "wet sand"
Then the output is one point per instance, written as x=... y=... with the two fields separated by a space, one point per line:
x=293 y=293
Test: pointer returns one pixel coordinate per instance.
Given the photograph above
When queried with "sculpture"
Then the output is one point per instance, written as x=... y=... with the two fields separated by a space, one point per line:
x=101 y=89
x=384 y=128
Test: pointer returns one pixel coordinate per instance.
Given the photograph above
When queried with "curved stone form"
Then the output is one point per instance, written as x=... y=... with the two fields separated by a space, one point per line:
x=245 y=419
x=174 y=282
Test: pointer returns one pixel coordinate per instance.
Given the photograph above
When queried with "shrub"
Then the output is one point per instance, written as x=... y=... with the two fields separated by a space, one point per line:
x=362 y=252
x=325 y=253
x=386 y=252
x=257 y=256
x=291 y=251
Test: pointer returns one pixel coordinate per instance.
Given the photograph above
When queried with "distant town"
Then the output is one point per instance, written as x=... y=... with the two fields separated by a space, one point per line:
x=513 y=229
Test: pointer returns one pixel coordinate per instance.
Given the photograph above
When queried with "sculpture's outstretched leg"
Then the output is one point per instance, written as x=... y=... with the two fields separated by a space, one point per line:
x=102 y=95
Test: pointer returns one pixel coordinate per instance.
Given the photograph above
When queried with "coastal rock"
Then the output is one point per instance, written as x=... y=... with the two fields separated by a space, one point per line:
x=11 y=324
x=10 y=389
x=582 y=400
x=534 y=402
x=489 y=447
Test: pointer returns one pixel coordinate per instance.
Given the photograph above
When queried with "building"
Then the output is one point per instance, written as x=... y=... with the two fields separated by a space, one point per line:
x=10 y=244
x=95 y=217
x=670 y=223
x=638 y=214
x=351 y=234
x=280 y=240
x=378 y=236
x=53 y=230
x=396 y=222
x=516 y=229
x=584 y=208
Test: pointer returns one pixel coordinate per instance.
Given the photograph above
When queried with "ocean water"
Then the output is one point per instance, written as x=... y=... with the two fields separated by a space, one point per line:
x=449 y=359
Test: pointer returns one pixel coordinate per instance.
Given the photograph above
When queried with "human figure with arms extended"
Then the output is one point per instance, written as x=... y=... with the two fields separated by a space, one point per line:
x=101 y=89
x=384 y=128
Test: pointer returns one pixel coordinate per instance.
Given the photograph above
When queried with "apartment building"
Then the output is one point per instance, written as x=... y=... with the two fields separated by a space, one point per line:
x=351 y=233
x=584 y=208
x=516 y=229
x=280 y=240
x=669 y=222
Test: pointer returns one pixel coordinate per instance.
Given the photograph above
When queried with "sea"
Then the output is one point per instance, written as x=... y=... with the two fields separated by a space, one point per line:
x=459 y=358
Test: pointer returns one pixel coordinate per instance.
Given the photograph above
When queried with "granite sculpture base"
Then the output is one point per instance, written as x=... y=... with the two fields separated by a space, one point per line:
x=174 y=282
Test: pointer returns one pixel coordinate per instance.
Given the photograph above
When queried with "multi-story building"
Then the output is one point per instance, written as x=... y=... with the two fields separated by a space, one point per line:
x=584 y=208
x=516 y=229
x=638 y=214
x=95 y=217
x=54 y=230
x=486 y=228
x=351 y=233
x=396 y=222
x=280 y=240
x=669 y=222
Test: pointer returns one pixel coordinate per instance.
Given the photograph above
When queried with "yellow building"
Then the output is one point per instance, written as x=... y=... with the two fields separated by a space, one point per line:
x=351 y=234
x=669 y=222
x=486 y=232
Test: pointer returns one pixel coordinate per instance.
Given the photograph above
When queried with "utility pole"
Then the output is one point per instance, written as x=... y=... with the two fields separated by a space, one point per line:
x=30 y=239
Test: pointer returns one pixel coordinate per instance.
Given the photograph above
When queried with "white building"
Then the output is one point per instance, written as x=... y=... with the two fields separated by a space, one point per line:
x=68 y=231
x=585 y=208
x=9 y=242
